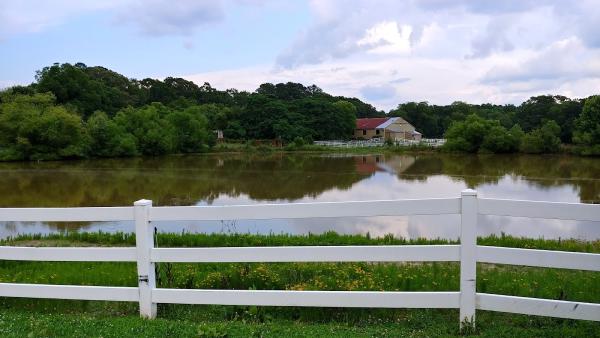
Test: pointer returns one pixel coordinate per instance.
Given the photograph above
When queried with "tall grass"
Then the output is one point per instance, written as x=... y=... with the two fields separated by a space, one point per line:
x=327 y=238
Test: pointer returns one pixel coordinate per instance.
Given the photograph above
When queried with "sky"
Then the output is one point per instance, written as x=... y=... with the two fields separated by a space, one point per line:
x=384 y=52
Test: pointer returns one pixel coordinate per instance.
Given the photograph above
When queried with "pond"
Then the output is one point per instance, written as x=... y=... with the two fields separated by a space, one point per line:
x=226 y=179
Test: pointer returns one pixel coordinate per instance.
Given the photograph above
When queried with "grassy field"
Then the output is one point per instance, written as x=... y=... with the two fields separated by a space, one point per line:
x=23 y=317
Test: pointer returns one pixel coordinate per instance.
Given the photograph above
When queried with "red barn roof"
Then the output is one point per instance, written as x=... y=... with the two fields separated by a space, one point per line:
x=370 y=123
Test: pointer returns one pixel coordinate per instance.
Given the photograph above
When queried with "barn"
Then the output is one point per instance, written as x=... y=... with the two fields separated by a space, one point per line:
x=387 y=128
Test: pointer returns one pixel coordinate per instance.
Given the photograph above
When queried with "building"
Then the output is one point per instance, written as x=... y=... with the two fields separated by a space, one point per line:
x=388 y=128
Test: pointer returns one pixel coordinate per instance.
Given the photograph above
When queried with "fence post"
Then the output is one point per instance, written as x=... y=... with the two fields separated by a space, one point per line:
x=144 y=241
x=468 y=259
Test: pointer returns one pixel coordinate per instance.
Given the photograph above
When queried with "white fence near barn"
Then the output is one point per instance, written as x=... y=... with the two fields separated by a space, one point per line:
x=468 y=253
x=379 y=142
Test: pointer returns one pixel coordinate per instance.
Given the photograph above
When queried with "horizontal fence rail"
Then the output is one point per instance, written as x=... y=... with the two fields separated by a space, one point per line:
x=540 y=258
x=365 y=299
x=68 y=254
x=535 y=209
x=75 y=292
x=412 y=253
x=538 y=307
x=308 y=210
x=468 y=253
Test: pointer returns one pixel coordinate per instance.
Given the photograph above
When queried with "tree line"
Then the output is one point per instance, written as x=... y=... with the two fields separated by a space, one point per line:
x=74 y=111
x=539 y=125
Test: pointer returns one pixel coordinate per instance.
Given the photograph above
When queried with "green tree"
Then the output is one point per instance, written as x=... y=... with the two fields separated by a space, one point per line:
x=587 y=127
x=154 y=134
x=476 y=134
x=33 y=128
x=467 y=135
x=344 y=118
x=87 y=89
x=191 y=133
x=421 y=115
x=500 y=140
x=542 y=140
x=107 y=139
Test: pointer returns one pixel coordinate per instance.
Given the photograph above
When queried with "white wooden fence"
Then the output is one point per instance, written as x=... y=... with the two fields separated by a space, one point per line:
x=380 y=142
x=468 y=253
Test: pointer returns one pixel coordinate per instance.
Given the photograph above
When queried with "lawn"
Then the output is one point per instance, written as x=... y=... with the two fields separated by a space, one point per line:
x=23 y=317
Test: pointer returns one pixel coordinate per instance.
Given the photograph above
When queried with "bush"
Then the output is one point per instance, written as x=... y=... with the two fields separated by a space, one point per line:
x=500 y=140
x=153 y=133
x=107 y=139
x=190 y=131
x=298 y=142
x=543 y=140
x=477 y=134
x=32 y=127
x=587 y=127
x=532 y=142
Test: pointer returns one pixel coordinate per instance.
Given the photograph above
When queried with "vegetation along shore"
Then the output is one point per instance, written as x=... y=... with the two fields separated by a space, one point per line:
x=76 y=111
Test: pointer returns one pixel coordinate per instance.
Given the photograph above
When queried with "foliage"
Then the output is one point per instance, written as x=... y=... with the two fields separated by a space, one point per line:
x=153 y=117
x=587 y=127
x=108 y=139
x=34 y=128
x=434 y=121
x=191 y=133
x=153 y=133
x=543 y=140
x=283 y=110
x=88 y=89
x=477 y=134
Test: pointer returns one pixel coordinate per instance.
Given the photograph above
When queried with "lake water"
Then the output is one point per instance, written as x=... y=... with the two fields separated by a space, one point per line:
x=226 y=179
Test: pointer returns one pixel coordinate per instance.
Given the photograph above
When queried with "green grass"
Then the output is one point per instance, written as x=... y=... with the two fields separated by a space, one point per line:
x=21 y=317
x=272 y=239
x=416 y=323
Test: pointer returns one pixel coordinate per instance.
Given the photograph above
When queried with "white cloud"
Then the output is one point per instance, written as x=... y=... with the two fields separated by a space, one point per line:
x=563 y=60
x=403 y=78
x=475 y=51
x=437 y=80
x=386 y=38
x=386 y=52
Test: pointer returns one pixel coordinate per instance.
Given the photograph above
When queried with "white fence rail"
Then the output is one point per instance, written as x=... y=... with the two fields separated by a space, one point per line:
x=380 y=142
x=468 y=253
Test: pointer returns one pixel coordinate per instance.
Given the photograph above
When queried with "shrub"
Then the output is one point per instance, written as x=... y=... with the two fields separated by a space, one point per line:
x=298 y=142
x=543 y=140
x=587 y=127
x=107 y=139
x=32 y=127
x=477 y=134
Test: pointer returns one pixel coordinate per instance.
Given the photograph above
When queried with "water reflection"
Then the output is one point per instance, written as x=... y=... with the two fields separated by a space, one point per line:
x=278 y=178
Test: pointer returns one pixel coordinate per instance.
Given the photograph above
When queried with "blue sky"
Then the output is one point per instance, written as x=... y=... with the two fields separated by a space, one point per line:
x=382 y=51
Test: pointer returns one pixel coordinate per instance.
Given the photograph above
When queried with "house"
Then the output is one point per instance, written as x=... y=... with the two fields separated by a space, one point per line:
x=388 y=128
